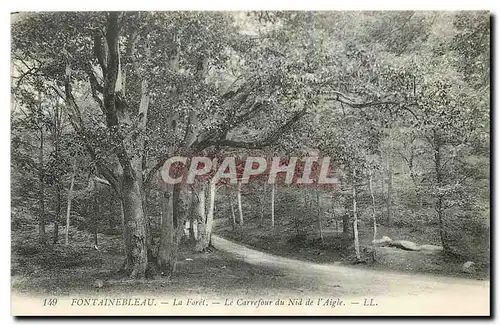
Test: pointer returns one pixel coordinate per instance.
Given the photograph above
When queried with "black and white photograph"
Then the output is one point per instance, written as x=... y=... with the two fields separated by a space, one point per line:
x=250 y=163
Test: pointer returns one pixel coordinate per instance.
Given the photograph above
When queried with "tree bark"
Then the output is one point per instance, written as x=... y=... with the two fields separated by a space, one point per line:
x=240 y=206
x=439 y=182
x=135 y=223
x=166 y=260
x=374 y=217
x=41 y=191
x=55 y=235
x=233 y=215
x=96 y=218
x=347 y=233
x=335 y=216
x=262 y=204
x=207 y=217
x=127 y=243
x=210 y=213
x=389 y=180
x=273 y=196
x=56 y=133
x=192 y=228
x=203 y=241
x=355 y=215
x=172 y=228
x=320 y=224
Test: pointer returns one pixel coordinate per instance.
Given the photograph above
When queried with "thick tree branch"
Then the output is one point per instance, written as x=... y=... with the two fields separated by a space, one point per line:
x=111 y=75
x=95 y=87
x=100 y=50
x=343 y=99
x=339 y=97
x=265 y=141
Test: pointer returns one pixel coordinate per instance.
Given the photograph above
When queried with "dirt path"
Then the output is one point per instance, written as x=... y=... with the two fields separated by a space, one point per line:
x=395 y=293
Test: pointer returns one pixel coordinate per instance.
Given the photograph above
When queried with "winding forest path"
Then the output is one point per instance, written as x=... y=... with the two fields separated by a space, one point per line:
x=394 y=293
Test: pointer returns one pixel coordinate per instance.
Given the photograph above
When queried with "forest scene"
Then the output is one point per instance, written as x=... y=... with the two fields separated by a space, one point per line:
x=398 y=100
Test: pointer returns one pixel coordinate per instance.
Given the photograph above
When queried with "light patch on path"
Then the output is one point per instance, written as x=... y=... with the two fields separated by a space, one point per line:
x=396 y=293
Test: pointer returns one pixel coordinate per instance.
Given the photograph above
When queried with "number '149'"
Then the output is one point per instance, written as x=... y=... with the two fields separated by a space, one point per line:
x=50 y=302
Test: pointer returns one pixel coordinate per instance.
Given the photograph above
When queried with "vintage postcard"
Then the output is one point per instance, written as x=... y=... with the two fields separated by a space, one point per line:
x=290 y=163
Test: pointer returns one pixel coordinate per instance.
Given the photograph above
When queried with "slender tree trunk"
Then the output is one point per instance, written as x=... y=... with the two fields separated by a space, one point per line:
x=146 y=190
x=389 y=196
x=201 y=204
x=203 y=241
x=41 y=191
x=228 y=199
x=210 y=213
x=273 y=195
x=208 y=218
x=262 y=203
x=192 y=228
x=374 y=216
x=233 y=215
x=335 y=217
x=68 y=207
x=389 y=180
x=439 y=181
x=355 y=215
x=240 y=207
x=96 y=218
x=56 y=133
x=111 y=220
x=347 y=233
x=165 y=252
x=318 y=201
x=55 y=237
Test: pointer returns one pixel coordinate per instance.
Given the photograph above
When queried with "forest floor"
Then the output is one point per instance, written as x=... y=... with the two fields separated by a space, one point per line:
x=284 y=241
x=75 y=269
x=65 y=270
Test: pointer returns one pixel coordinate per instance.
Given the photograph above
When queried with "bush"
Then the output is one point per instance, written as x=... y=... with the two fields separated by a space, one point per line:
x=27 y=248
